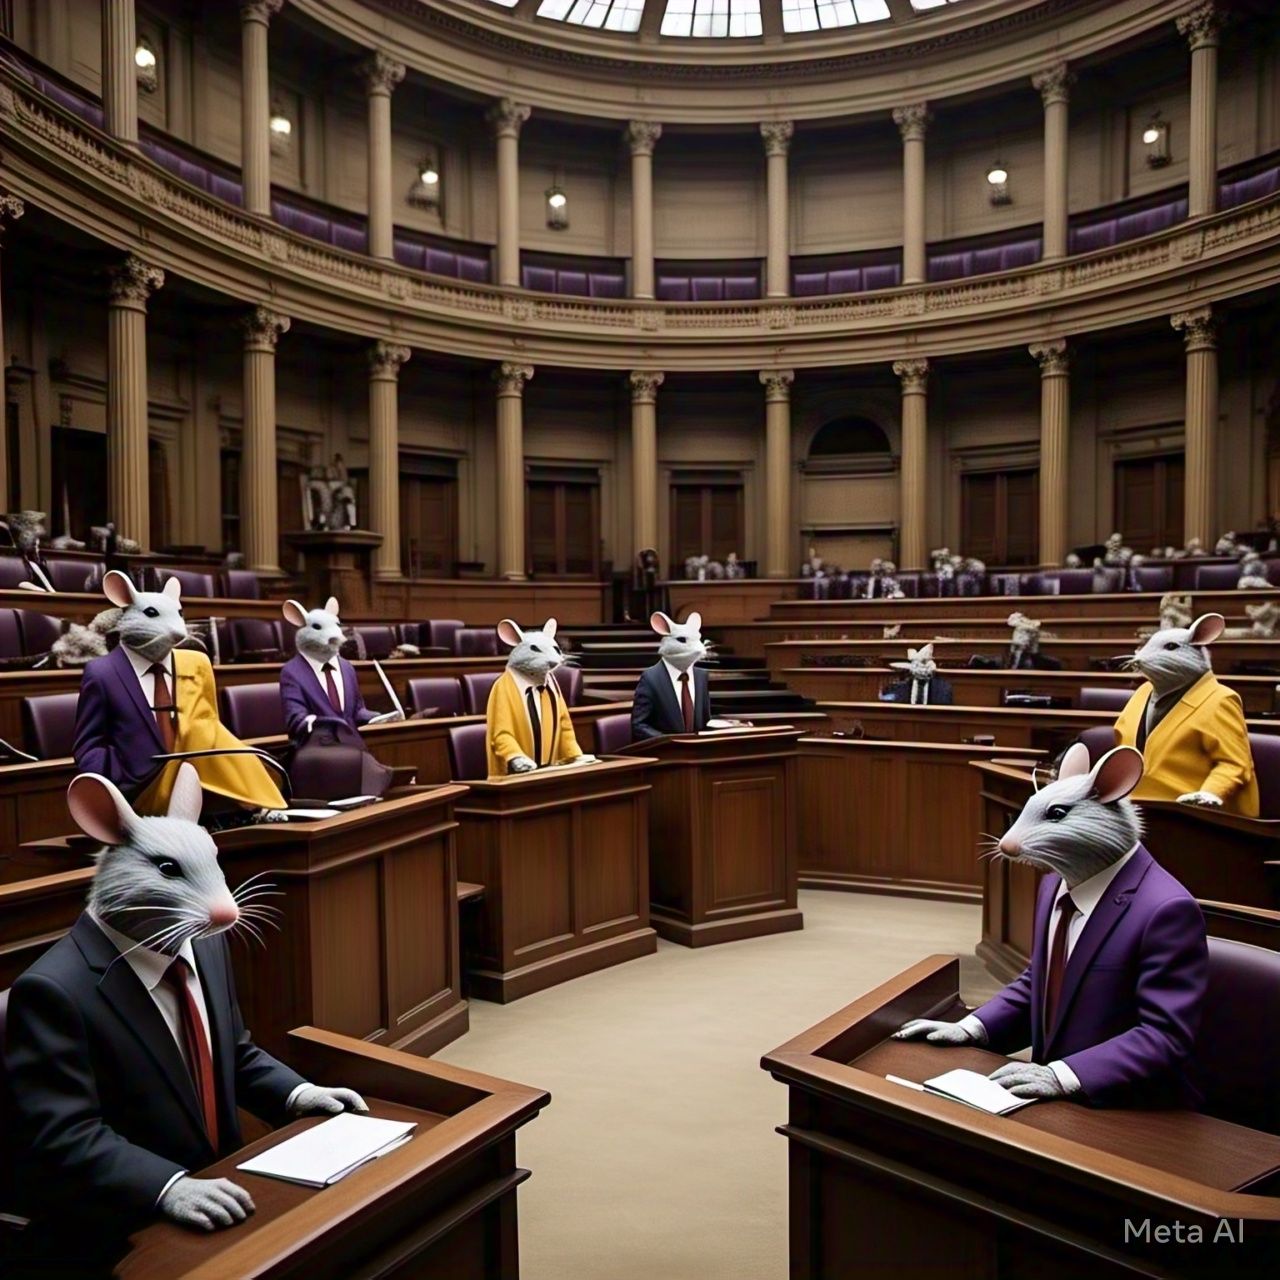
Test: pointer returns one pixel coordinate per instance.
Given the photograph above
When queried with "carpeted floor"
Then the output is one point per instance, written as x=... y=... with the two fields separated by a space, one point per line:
x=657 y=1157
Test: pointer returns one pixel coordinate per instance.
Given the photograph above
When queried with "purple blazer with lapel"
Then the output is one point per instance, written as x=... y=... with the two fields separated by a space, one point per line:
x=302 y=695
x=1131 y=995
x=116 y=733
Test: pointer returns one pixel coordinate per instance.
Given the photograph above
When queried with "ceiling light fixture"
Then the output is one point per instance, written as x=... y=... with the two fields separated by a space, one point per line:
x=998 y=184
x=1155 y=137
x=280 y=125
x=147 y=66
x=557 y=208
x=425 y=193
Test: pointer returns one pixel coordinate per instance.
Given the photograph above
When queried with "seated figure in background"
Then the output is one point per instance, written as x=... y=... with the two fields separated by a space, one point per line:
x=924 y=687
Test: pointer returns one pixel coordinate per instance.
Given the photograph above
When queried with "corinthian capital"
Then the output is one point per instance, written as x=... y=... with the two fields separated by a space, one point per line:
x=380 y=73
x=507 y=117
x=11 y=209
x=259 y=10
x=1054 y=83
x=1053 y=357
x=777 y=136
x=512 y=377
x=912 y=121
x=777 y=383
x=913 y=374
x=262 y=328
x=385 y=359
x=644 y=385
x=1199 y=328
x=133 y=282
x=642 y=136
x=1201 y=26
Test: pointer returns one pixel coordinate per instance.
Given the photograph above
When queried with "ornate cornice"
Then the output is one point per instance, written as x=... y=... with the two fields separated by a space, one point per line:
x=262 y=328
x=507 y=117
x=511 y=378
x=912 y=121
x=777 y=136
x=385 y=360
x=1201 y=26
x=777 y=383
x=913 y=374
x=132 y=282
x=259 y=10
x=380 y=73
x=642 y=136
x=1053 y=357
x=1054 y=83
x=1199 y=328
x=644 y=385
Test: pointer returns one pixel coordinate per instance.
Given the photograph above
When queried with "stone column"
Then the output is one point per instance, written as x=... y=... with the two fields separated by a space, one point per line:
x=912 y=122
x=777 y=142
x=510 y=467
x=1055 y=432
x=642 y=135
x=11 y=209
x=385 y=359
x=1199 y=332
x=1201 y=27
x=914 y=375
x=1055 y=89
x=119 y=71
x=381 y=74
x=128 y=491
x=255 y=106
x=259 y=523
x=644 y=459
x=507 y=118
x=777 y=472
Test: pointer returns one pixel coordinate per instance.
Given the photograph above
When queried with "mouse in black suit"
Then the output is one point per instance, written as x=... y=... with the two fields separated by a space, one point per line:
x=673 y=696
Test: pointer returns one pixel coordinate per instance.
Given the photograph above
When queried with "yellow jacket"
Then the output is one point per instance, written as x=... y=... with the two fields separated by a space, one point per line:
x=242 y=778
x=1201 y=745
x=511 y=735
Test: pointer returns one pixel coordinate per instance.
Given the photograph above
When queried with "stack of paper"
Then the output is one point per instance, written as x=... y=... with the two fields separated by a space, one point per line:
x=325 y=1154
x=972 y=1088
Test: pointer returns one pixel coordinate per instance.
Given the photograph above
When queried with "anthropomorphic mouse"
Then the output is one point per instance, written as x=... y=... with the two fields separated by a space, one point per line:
x=923 y=686
x=1024 y=645
x=148 y=697
x=1189 y=727
x=673 y=695
x=1253 y=573
x=1111 y=1001
x=126 y=1055
x=528 y=715
x=317 y=682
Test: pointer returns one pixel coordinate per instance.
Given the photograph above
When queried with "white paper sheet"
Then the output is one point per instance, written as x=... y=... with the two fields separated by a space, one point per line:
x=326 y=1153
x=976 y=1090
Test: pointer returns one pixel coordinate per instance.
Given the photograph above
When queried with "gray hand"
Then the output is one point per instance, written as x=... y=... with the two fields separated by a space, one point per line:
x=206 y=1204
x=315 y=1101
x=521 y=764
x=1205 y=798
x=1029 y=1080
x=388 y=717
x=934 y=1032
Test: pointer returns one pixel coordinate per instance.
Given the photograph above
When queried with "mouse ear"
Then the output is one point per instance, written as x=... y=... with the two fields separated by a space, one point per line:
x=294 y=613
x=509 y=633
x=1207 y=628
x=660 y=623
x=186 y=800
x=118 y=588
x=694 y=620
x=331 y=606
x=1074 y=762
x=173 y=589
x=924 y=653
x=98 y=808
x=549 y=628
x=1117 y=773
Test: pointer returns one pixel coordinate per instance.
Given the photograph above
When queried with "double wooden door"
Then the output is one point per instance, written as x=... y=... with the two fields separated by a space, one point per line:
x=1000 y=516
x=706 y=519
x=1149 y=498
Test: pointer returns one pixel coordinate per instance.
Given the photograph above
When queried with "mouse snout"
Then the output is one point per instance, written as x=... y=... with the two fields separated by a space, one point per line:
x=1010 y=845
x=224 y=913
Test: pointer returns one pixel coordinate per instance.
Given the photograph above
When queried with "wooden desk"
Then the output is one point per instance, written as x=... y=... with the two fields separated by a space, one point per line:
x=368 y=941
x=723 y=862
x=891 y=817
x=1217 y=856
x=889 y=1182
x=728 y=599
x=563 y=855
x=444 y=1204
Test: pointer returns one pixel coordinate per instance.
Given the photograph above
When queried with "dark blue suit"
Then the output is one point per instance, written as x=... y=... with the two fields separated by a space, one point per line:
x=655 y=709
x=302 y=695
x=116 y=733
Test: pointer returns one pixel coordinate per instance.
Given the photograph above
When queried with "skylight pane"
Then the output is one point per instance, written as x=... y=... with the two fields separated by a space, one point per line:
x=712 y=18
x=611 y=15
x=921 y=5
x=816 y=15
x=506 y=4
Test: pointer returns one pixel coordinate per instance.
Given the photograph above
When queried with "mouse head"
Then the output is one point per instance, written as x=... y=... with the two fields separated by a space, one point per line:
x=682 y=644
x=534 y=654
x=1264 y=616
x=319 y=635
x=919 y=663
x=150 y=621
x=1081 y=823
x=158 y=879
x=1178 y=656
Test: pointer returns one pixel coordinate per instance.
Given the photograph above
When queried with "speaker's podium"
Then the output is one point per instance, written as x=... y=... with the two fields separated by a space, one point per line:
x=444 y=1204
x=722 y=855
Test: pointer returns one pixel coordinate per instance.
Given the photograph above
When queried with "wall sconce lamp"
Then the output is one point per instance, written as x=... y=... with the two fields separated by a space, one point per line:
x=1155 y=137
x=425 y=192
x=147 y=65
x=998 y=184
x=280 y=127
x=557 y=208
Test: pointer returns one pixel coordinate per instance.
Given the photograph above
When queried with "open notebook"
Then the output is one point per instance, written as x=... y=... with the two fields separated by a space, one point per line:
x=327 y=1152
x=970 y=1087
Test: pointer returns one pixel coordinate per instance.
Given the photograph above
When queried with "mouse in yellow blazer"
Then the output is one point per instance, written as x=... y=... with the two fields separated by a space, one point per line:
x=1190 y=728
x=528 y=716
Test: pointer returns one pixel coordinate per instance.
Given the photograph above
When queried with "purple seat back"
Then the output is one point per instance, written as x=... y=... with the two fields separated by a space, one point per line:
x=1094 y=698
x=475 y=691
x=241 y=584
x=741 y=288
x=442 y=692
x=256 y=635
x=193 y=584
x=1255 y=187
x=1217 y=577
x=10 y=634
x=409 y=253
x=707 y=288
x=72 y=575
x=438 y=633
x=49 y=725
x=539 y=279
x=252 y=710
x=607 y=284
x=845 y=280
x=884 y=275
x=1155 y=577
x=811 y=284
x=377 y=639
x=1098 y=740
x=572 y=282
x=13 y=571
x=570 y=681
x=674 y=289
x=472 y=269
x=1074 y=582
x=612 y=734
x=468 y=756
x=1266 y=762
x=440 y=262
x=38 y=630
x=475 y=642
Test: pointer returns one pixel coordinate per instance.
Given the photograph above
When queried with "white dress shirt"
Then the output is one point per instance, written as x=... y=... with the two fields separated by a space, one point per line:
x=675 y=673
x=318 y=668
x=1086 y=896
x=142 y=666
x=524 y=683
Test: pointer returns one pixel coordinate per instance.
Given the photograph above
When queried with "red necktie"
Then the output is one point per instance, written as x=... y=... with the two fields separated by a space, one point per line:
x=1057 y=962
x=332 y=686
x=194 y=1037
x=162 y=706
x=686 y=702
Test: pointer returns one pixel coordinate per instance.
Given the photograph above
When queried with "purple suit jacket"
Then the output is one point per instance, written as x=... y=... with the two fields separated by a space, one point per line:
x=302 y=695
x=1131 y=995
x=116 y=732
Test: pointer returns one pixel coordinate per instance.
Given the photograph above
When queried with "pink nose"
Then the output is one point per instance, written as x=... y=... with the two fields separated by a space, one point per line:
x=1009 y=847
x=225 y=913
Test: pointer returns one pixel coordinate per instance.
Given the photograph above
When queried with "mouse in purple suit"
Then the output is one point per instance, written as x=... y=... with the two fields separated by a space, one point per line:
x=1112 y=999
x=317 y=683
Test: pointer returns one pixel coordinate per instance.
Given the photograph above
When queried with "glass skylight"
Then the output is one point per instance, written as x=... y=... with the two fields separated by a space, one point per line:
x=612 y=15
x=712 y=18
x=819 y=15
x=921 y=5
x=506 y=4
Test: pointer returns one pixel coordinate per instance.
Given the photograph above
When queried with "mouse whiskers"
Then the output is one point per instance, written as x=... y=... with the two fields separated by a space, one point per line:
x=988 y=847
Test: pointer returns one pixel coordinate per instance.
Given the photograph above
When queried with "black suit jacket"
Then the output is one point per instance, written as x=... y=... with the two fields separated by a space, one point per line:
x=655 y=709
x=105 y=1110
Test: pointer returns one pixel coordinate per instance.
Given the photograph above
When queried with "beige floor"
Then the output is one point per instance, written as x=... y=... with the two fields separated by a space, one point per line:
x=657 y=1157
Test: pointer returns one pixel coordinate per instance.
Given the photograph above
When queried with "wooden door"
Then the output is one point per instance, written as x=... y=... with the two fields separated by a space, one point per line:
x=158 y=494
x=1000 y=516
x=428 y=525
x=1149 y=497
x=289 y=515
x=563 y=533
x=79 y=481
x=706 y=519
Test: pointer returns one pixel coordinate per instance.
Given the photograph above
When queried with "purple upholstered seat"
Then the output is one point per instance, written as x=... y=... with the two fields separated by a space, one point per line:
x=1040 y=584
x=350 y=236
x=377 y=639
x=572 y=282
x=612 y=734
x=257 y=636
x=252 y=710
x=227 y=189
x=475 y=691
x=1074 y=582
x=71 y=575
x=810 y=284
x=707 y=288
x=409 y=253
x=1095 y=698
x=49 y=725
x=950 y=266
x=540 y=279
x=883 y=275
x=1266 y=761
x=910 y=584
x=303 y=221
x=438 y=633
x=1098 y=739
x=10 y=634
x=1092 y=235
x=1217 y=577
x=1255 y=187
x=194 y=585
x=473 y=269
x=241 y=584
x=1153 y=577
x=468 y=757
x=13 y=570
x=440 y=262
x=71 y=101
x=570 y=681
x=845 y=280
x=442 y=692
x=674 y=289
x=741 y=288
x=38 y=630
x=607 y=284
x=475 y=642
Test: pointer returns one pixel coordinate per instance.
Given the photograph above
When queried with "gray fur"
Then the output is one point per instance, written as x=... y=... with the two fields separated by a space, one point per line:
x=319 y=635
x=150 y=622
x=682 y=644
x=1170 y=659
x=535 y=654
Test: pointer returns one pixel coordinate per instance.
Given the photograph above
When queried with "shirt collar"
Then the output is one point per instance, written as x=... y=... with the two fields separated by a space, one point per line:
x=523 y=682
x=1088 y=893
x=318 y=667
x=149 y=965
x=674 y=672
x=142 y=664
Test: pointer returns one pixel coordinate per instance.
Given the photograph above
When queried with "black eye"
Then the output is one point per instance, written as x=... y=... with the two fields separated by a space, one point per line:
x=1171 y=644
x=535 y=648
x=168 y=868
x=151 y=611
x=180 y=613
x=315 y=626
x=1056 y=812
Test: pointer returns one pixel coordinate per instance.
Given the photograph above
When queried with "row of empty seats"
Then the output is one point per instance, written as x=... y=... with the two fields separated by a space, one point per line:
x=78 y=573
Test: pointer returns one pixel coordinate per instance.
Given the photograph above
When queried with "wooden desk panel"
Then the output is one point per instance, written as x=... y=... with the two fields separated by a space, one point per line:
x=486 y=601
x=898 y=817
x=563 y=855
x=729 y=600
